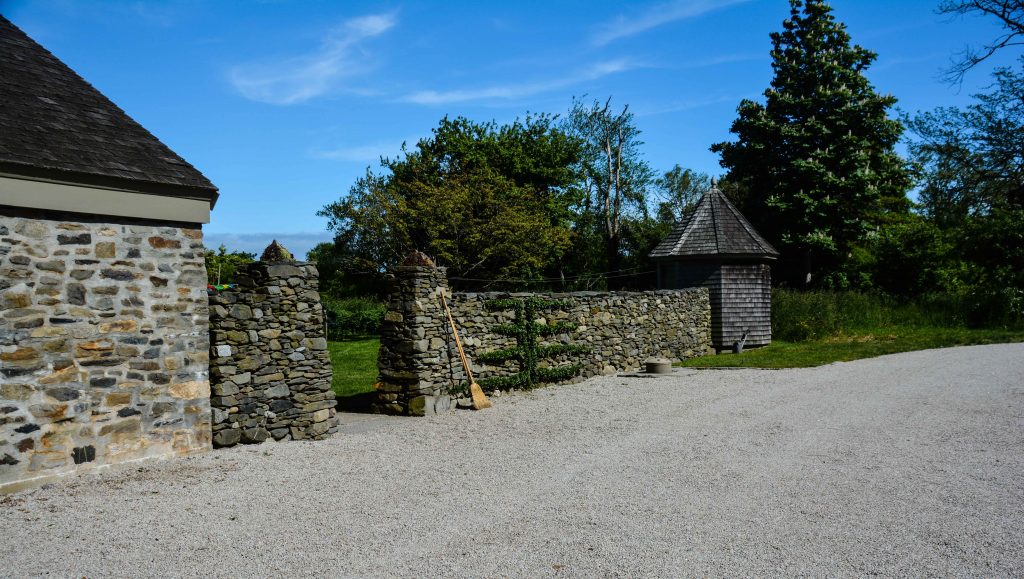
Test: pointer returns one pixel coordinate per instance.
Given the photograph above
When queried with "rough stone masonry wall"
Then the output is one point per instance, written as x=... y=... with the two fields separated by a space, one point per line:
x=418 y=361
x=270 y=368
x=414 y=348
x=103 y=343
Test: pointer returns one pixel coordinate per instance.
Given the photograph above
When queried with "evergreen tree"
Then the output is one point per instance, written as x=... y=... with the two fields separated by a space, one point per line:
x=816 y=161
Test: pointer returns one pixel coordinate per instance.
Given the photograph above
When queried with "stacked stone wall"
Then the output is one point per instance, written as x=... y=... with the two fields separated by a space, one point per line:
x=103 y=343
x=270 y=367
x=419 y=364
x=414 y=347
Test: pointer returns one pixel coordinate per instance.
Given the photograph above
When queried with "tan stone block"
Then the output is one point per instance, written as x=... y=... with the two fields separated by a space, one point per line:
x=191 y=390
x=47 y=460
x=118 y=399
x=106 y=249
x=107 y=232
x=157 y=242
x=69 y=226
x=192 y=233
x=321 y=415
x=64 y=376
x=20 y=355
x=17 y=392
x=50 y=412
x=125 y=447
x=119 y=326
x=172 y=363
x=89 y=350
x=32 y=228
x=48 y=332
x=121 y=427
x=14 y=299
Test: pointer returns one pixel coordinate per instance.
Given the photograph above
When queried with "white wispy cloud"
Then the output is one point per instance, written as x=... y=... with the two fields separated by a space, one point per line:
x=686 y=105
x=657 y=15
x=366 y=153
x=519 y=90
x=300 y=78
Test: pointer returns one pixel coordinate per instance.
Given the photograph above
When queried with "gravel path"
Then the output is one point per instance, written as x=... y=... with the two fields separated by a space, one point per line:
x=910 y=464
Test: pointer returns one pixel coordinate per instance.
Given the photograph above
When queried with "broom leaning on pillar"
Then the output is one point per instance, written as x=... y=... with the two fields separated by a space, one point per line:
x=480 y=400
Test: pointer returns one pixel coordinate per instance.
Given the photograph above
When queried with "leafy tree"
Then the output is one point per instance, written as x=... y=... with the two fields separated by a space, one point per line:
x=615 y=177
x=680 y=190
x=344 y=274
x=971 y=167
x=1009 y=13
x=221 y=265
x=488 y=201
x=971 y=160
x=816 y=162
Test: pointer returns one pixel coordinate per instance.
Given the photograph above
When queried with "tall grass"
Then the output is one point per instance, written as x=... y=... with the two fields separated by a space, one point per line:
x=800 y=316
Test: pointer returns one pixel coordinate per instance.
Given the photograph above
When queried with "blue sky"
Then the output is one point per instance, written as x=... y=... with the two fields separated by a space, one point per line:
x=283 y=104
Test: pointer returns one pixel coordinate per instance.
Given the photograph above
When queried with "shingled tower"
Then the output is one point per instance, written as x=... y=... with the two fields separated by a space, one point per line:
x=715 y=247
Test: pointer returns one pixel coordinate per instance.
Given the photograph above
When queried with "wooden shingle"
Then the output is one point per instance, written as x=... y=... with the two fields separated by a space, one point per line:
x=713 y=228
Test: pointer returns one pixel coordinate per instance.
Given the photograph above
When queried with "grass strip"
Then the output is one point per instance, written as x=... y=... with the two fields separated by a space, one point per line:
x=864 y=344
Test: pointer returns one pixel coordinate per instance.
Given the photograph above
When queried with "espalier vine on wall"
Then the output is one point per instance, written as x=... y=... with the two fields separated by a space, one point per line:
x=528 y=351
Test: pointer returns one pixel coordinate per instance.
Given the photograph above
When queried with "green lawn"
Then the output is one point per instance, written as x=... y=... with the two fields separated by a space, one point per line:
x=355 y=366
x=854 y=347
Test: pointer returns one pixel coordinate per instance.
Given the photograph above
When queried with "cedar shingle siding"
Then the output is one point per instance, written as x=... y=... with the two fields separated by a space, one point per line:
x=715 y=247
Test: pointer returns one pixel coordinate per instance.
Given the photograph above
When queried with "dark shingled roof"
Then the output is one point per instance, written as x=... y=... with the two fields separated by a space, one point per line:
x=55 y=125
x=714 y=228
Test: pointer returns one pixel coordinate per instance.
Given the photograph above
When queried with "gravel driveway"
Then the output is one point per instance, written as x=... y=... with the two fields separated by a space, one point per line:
x=905 y=464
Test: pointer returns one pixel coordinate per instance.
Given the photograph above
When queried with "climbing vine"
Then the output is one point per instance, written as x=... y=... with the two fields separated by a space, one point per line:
x=528 y=351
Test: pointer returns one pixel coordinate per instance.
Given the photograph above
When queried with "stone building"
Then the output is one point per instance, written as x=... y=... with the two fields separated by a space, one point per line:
x=104 y=344
x=715 y=247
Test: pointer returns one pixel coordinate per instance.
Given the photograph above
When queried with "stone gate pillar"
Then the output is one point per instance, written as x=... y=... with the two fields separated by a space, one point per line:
x=269 y=363
x=414 y=342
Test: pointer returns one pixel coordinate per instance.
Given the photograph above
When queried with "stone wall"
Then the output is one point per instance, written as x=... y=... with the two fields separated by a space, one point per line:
x=103 y=343
x=419 y=364
x=415 y=351
x=270 y=367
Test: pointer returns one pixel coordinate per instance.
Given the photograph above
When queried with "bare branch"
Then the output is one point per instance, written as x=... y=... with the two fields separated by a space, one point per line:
x=1010 y=13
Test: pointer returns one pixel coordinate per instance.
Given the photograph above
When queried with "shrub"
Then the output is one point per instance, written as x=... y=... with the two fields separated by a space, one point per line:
x=352 y=317
x=799 y=316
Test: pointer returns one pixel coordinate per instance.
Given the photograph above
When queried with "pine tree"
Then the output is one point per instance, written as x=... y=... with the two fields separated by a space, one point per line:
x=816 y=162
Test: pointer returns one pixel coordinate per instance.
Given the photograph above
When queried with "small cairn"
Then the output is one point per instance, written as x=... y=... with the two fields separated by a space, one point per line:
x=276 y=253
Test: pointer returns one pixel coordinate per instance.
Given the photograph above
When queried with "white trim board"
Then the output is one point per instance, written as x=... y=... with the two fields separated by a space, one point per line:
x=32 y=194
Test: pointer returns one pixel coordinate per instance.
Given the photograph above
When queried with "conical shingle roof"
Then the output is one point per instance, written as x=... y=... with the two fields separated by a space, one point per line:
x=714 y=228
x=54 y=124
